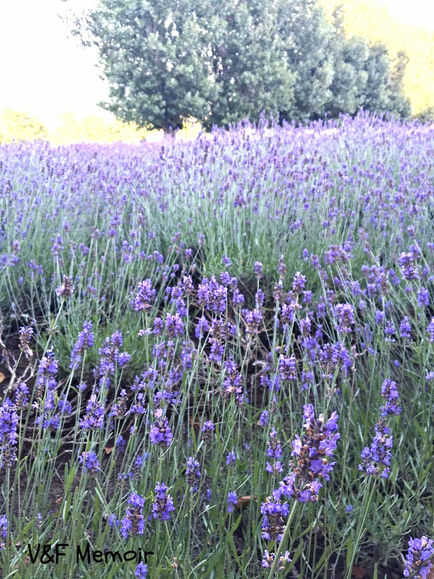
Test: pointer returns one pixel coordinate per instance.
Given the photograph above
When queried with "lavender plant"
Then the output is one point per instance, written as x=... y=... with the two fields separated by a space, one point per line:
x=171 y=313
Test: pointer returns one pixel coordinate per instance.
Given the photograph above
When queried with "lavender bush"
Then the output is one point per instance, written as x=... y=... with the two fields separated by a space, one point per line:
x=218 y=355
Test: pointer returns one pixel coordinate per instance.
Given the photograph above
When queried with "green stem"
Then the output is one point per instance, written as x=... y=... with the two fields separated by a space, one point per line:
x=367 y=500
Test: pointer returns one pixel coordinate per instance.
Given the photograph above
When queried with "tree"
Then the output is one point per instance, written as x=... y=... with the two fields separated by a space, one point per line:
x=307 y=38
x=251 y=73
x=350 y=77
x=17 y=125
x=152 y=54
x=383 y=91
x=221 y=61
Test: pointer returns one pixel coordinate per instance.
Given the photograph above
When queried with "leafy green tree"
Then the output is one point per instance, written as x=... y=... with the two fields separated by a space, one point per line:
x=383 y=92
x=350 y=77
x=250 y=70
x=307 y=38
x=221 y=61
x=152 y=54
x=399 y=104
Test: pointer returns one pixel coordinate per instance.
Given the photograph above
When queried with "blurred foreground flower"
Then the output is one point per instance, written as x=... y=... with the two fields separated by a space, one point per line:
x=420 y=551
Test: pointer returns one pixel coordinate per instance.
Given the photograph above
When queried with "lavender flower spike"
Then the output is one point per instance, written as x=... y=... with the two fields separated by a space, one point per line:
x=419 y=556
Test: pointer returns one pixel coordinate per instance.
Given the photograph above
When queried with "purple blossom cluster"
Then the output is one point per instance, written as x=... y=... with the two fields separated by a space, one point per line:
x=95 y=412
x=145 y=296
x=268 y=560
x=212 y=296
x=274 y=514
x=110 y=355
x=3 y=532
x=377 y=457
x=161 y=433
x=345 y=317
x=89 y=461
x=274 y=450
x=419 y=557
x=133 y=522
x=390 y=395
x=84 y=342
x=232 y=501
x=163 y=503
x=193 y=473
x=141 y=571
x=312 y=454
x=9 y=420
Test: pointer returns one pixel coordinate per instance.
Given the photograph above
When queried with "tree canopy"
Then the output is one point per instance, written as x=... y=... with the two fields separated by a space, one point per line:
x=223 y=61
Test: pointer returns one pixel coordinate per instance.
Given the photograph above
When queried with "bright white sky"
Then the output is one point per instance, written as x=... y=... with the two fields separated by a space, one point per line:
x=45 y=72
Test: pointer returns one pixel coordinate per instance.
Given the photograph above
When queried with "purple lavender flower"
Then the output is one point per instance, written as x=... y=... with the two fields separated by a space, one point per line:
x=134 y=522
x=202 y=327
x=174 y=325
x=226 y=261
x=163 y=504
x=253 y=319
x=430 y=330
x=274 y=514
x=423 y=297
x=288 y=311
x=21 y=396
x=237 y=297
x=345 y=315
x=418 y=560
x=232 y=501
x=145 y=296
x=376 y=459
x=408 y=266
x=390 y=394
x=89 y=461
x=268 y=560
x=193 y=473
x=66 y=289
x=298 y=283
x=264 y=418
x=160 y=433
x=25 y=337
x=405 y=328
x=257 y=266
x=274 y=449
x=231 y=457
x=47 y=369
x=379 y=316
x=141 y=571
x=85 y=341
x=8 y=433
x=312 y=455
x=212 y=296
x=94 y=417
x=3 y=532
x=110 y=355
x=390 y=332
x=207 y=429
x=287 y=368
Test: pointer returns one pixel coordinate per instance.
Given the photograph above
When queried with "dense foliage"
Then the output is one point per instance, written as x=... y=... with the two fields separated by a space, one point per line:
x=372 y=20
x=221 y=62
x=220 y=352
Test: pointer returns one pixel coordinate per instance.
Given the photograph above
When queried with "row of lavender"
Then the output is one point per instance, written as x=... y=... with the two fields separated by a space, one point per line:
x=219 y=409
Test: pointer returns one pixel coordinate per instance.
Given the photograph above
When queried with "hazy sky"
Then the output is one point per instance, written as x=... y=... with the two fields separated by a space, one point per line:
x=45 y=72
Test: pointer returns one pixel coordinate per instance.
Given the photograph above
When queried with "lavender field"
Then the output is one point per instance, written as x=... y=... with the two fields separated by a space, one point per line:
x=217 y=356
